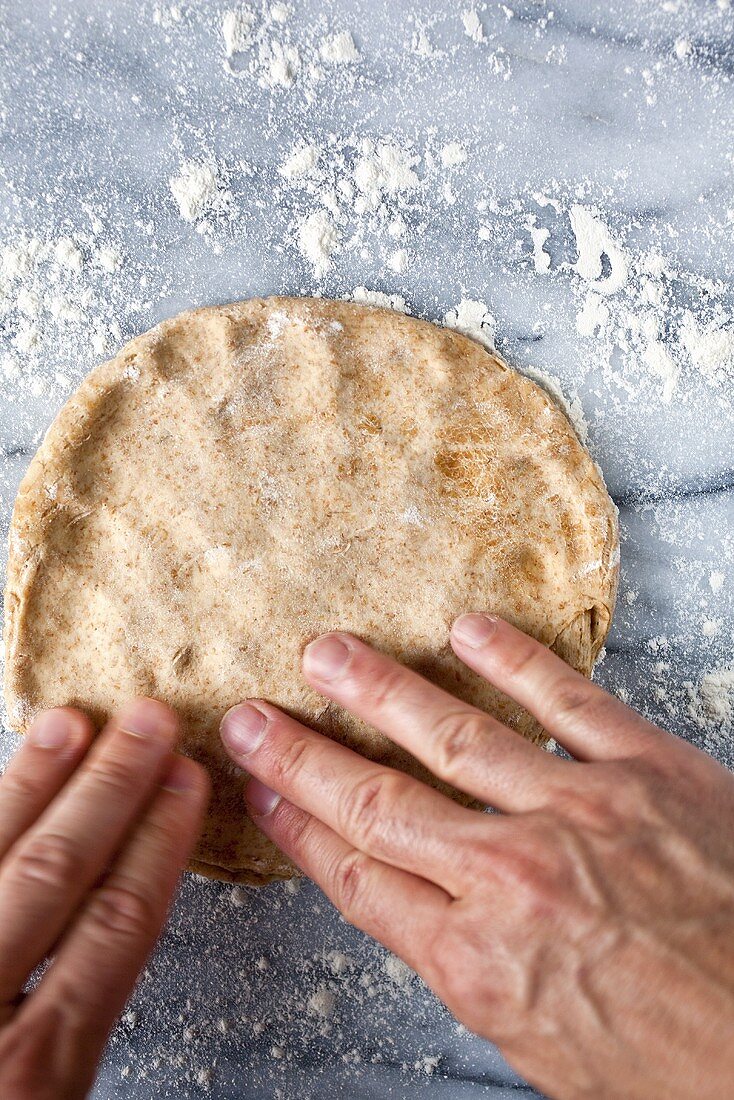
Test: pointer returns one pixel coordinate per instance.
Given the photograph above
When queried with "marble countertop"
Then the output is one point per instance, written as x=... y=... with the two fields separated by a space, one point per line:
x=567 y=167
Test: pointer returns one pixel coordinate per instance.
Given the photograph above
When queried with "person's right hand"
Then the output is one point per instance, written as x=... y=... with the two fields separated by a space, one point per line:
x=588 y=930
x=92 y=842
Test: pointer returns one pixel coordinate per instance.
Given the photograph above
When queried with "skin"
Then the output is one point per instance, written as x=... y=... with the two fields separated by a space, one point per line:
x=92 y=842
x=586 y=928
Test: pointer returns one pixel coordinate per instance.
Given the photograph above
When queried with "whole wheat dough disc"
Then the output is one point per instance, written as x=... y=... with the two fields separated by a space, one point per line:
x=242 y=478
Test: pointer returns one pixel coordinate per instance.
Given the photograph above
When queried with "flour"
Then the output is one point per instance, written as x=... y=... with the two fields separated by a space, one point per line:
x=710 y=627
x=237 y=30
x=472 y=318
x=716 y=580
x=300 y=163
x=420 y=43
x=322 y=1002
x=453 y=154
x=109 y=259
x=68 y=255
x=594 y=241
x=398 y=261
x=428 y=1064
x=18 y=259
x=711 y=349
x=384 y=169
x=378 y=298
x=194 y=189
x=167 y=15
x=279 y=64
x=472 y=25
x=399 y=972
x=539 y=235
x=711 y=701
x=339 y=49
x=318 y=239
x=661 y=363
x=593 y=317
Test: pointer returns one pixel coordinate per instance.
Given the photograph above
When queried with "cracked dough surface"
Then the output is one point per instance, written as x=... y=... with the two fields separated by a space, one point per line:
x=244 y=477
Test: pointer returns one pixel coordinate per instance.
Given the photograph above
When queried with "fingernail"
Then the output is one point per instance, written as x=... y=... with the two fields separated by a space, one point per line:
x=326 y=657
x=147 y=719
x=474 y=630
x=243 y=729
x=261 y=799
x=51 y=730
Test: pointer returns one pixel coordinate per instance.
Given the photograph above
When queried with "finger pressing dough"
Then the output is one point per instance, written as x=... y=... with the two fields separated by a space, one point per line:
x=244 y=477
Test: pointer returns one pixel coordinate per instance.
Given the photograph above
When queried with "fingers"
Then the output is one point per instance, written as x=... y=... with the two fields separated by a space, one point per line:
x=51 y=750
x=459 y=743
x=384 y=813
x=402 y=911
x=582 y=717
x=51 y=867
x=100 y=957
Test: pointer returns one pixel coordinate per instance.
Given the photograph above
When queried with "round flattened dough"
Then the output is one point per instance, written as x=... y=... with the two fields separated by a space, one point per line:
x=244 y=477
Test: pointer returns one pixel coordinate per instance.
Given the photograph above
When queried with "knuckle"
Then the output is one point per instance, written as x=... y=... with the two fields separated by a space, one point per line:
x=296 y=830
x=113 y=774
x=161 y=834
x=21 y=785
x=571 y=701
x=368 y=804
x=290 y=760
x=123 y=909
x=516 y=660
x=630 y=792
x=49 y=858
x=460 y=739
x=589 y=807
x=379 y=685
x=534 y=872
x=348 y=883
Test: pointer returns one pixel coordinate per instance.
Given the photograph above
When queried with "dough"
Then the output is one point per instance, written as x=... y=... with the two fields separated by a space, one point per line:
x=244 y=477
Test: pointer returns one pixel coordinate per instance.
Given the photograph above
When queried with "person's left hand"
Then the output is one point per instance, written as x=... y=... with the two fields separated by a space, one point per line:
x=92 y=842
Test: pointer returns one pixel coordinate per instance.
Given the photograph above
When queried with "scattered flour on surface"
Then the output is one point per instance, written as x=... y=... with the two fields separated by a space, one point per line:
x=398 y=261
x=300 y=163
x=711 y=349
x=339 y=49
x=322 y=1002
x=472 y=25
x=237 y=30
x=593 y=317
x=539 y=235
x=594 y=241
x=384 y=169
x=68 y=255
x=378 y=298
x=279 y=64
x=472 y=318
x=318 y=239
x=399 y=972
x=711 y=700
x=195 y=189
x=453 y=154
